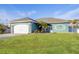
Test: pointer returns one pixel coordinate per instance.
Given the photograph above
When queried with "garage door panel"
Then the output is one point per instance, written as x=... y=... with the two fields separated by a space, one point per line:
x=21 y=28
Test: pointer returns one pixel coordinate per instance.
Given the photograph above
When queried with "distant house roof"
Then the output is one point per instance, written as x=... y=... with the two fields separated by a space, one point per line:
x=24 y=20
x=52 y=20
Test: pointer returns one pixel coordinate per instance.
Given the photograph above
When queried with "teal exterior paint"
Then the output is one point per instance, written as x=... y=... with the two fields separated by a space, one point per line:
x=34 y=27
x=55 y=27
x=60 y=27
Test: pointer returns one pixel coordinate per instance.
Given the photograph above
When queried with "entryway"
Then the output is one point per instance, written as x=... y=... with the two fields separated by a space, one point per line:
x=45 y=28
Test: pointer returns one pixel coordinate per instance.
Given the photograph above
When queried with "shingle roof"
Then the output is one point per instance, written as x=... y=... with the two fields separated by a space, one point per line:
x=47 y=20
x=27 y=19
x=52 y=20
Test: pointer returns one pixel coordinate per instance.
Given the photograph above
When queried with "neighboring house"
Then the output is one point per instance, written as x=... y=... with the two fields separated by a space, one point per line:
x=28 y=25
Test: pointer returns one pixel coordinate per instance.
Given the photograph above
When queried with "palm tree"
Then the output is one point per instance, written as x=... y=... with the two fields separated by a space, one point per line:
x=43 y=25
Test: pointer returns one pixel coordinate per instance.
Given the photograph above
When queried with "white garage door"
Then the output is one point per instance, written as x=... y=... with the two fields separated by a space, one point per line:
x=21 y=28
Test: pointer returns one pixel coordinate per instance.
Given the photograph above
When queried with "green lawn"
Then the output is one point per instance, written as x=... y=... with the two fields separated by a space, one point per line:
x=48 y=43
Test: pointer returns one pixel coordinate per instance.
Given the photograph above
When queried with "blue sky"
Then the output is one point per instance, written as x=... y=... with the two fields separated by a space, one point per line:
x=10 y=12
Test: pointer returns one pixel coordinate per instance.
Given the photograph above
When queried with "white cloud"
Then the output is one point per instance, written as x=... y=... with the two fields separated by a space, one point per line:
x=25 y=14
x=6 y=16
x=73 y=14
x=57 y=13
x=31 y=12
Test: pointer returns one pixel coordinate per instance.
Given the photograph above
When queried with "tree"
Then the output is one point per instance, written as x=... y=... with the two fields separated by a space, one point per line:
x=43 y=26
x=2 y=28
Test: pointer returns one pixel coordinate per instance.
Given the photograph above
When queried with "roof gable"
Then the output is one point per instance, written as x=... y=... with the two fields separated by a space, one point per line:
x=25 y=20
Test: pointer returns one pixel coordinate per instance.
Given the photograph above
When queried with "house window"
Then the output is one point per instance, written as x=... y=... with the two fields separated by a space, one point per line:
x=59 y=27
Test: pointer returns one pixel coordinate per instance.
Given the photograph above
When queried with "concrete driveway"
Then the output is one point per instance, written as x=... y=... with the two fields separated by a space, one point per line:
x=2 y=36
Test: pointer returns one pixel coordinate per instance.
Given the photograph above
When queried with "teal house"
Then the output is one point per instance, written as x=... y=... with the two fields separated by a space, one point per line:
x=56 y=25
x=28 y=25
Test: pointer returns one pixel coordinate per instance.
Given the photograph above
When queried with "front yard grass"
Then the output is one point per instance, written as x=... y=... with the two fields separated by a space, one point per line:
x=41 y=43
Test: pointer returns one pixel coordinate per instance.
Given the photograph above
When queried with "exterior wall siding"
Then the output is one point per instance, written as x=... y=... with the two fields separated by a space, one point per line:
x=60 y=27
x=55 y=27
x=34 y=27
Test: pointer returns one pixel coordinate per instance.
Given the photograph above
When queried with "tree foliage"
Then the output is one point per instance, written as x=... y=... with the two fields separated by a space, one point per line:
x=2 y=28
x=74 y=23
x=42 y=26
